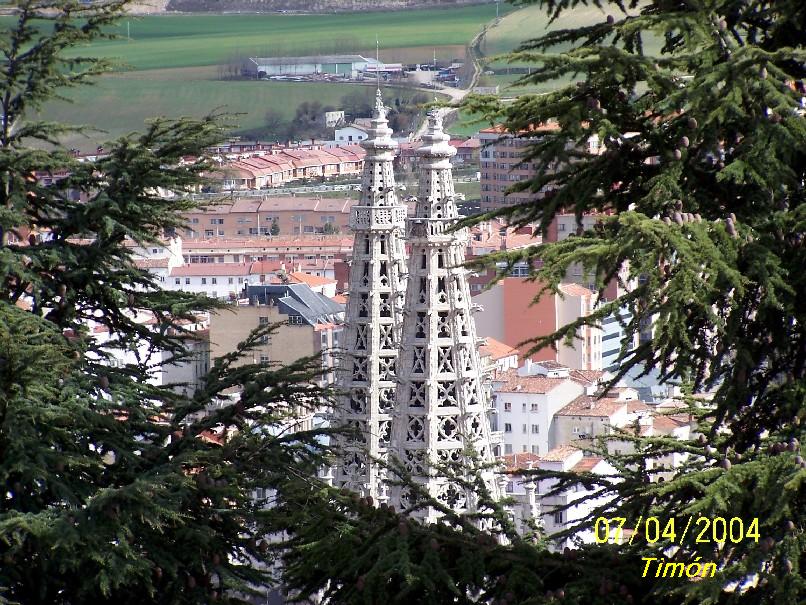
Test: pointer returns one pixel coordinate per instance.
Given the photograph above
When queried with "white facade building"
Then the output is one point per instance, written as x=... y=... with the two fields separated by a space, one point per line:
x=526 y=401
x=349 y=135
x=216 y=280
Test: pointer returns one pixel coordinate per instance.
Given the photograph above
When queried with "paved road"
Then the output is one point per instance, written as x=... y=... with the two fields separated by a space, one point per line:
x=457 y=94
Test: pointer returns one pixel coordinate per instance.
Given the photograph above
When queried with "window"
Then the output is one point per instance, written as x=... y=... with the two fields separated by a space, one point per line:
x=295 y=320
x=214 y=280
x=230 y=280
x=558 y=518
x=264 y=358
x=535 y=449
x=575 y=430
x=524 y=429
x=208 y=233
x=535 y=429
x=263 y=320
x=507 y=448
x=177 y=281
x=154 y=250
x=534 y=407
x=523 y=407
x=204 y=281
x=187 y=280
x=524 y=450
x=194 y=220
x=507 y=406
x=507 y=427
x=216 y=221
x=221 y=232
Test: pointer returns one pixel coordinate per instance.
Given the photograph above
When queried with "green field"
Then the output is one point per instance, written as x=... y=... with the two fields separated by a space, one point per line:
x=119 y=105
x=173 y=63
x=533 y=22
x=159 y=42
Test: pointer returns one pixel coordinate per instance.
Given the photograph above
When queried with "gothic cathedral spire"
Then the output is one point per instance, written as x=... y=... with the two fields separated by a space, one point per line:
x=441 y=406
x=370 y=339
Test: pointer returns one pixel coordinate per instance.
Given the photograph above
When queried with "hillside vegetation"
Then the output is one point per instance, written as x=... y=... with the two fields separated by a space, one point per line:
x=308 y=6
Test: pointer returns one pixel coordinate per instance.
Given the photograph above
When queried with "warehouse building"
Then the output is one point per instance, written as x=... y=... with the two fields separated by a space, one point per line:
x=341 y=65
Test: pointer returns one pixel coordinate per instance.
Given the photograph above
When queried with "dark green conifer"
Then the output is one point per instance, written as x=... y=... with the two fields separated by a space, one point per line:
x=112 y=489
x=701 y=197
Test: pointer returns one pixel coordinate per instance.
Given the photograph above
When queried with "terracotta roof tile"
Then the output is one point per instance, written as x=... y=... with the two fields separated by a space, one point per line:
x=311 y=280
x=510 y=382
x=497 y=349
x=586 y=405
x=586 y=377
x=559 y=454
x=586 y=464
x=520 y=461
x=575 y=290
x=151 y=263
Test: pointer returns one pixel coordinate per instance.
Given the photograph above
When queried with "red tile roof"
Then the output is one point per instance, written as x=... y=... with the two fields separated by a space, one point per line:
x=520 y=461
x=560 y=453
x=265 y=266
x=151 y=263
x=586 y=377
x=496 y=349
x=586 y=464
x=311 y=280
x=575 y=290
x=512 y=383
x=586 y=405
x=666 y=424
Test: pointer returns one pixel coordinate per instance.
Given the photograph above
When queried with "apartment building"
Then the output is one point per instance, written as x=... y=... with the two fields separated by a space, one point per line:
x=322 y=249
x=261 y=217
x=309 y=325
x=278 y=166
x=502 y=165
x=526 y=400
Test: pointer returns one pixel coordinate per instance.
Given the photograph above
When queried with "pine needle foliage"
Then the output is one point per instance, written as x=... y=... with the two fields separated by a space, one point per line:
x=113 y=489
x=698 y=196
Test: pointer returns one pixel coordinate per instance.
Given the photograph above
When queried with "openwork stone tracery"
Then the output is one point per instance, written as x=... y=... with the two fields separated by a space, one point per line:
x=441 y=405
x=371 y=334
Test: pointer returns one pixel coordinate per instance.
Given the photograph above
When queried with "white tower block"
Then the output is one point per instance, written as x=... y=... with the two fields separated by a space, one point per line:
x=441 y=404
x=373 y=317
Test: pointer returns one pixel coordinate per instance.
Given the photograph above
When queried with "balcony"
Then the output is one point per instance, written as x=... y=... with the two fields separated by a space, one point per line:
x=377 y=218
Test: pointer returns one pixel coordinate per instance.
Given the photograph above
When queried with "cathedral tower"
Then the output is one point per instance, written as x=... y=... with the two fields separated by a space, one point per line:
x=441 y=405
x=370 y=339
